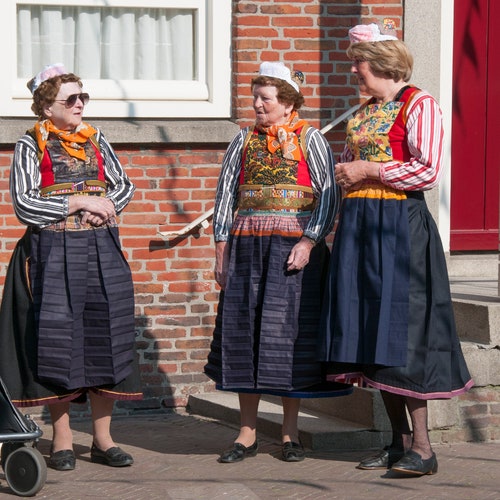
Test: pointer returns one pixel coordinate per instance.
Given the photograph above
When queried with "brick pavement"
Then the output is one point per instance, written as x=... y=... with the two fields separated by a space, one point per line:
x=176 y=458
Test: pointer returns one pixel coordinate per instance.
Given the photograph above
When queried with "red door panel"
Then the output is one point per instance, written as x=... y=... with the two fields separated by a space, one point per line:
x=475 y=126
x=492 y=178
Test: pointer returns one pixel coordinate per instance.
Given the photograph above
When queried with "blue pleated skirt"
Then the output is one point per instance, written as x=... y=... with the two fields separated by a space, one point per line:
x=267 y=321
x=83 y=301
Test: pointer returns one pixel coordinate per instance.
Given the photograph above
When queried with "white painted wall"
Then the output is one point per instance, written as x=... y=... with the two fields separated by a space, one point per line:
x=428 y=30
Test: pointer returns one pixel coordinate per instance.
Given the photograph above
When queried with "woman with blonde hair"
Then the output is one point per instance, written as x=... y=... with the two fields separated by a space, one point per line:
x=387 y=315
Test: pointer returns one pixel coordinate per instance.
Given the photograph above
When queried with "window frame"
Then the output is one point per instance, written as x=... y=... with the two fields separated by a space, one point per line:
x=206 y=97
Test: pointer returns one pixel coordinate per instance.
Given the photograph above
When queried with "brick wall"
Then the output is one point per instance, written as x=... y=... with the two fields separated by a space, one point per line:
x=310 y=36
x=175 y=291
x=176 y=295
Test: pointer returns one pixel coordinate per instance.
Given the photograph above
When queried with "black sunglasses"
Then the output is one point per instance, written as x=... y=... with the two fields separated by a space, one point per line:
x=71 y=100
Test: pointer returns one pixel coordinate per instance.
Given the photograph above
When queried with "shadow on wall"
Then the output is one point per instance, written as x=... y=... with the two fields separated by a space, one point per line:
x=175 y=290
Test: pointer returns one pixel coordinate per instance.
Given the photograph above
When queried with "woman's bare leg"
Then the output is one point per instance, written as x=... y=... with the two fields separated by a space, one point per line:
x=62 y=437
x=102 y=408
x=289 y=430
x=249 y=406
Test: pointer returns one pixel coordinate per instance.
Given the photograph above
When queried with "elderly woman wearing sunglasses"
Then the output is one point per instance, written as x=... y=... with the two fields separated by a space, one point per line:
x=67 y=315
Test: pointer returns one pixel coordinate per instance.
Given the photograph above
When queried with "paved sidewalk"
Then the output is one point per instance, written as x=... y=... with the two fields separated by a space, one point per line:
x=176 y=458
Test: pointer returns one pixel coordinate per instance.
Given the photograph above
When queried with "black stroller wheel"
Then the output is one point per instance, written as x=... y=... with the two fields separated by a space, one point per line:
x=25 y=471
x=7 y=448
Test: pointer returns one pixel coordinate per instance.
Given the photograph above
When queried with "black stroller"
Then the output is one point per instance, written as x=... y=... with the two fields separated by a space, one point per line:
x=24 y=466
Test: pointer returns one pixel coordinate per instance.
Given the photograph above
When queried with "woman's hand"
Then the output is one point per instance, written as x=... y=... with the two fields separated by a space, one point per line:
x=221 y=263
x=347 y=175
x=88 y=218
x=95 y=210
x=299 y=255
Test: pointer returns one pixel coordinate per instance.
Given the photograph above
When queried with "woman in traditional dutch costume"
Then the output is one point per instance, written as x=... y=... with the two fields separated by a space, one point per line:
x=388 y=316
x=67 y=315
x=273 y=209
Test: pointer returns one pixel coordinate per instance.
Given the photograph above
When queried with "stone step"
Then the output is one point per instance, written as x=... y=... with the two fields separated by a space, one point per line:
x=476 y=297
x=477 y=320
x=359 y=421
x=475 y=265
x=363 y=407
x=318 y=430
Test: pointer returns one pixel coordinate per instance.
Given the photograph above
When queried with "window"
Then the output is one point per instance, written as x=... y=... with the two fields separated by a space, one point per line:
x=148 y=58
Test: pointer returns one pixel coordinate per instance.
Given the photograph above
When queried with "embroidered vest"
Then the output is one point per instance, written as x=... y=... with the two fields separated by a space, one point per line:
x=64 y=174
x=269 y=182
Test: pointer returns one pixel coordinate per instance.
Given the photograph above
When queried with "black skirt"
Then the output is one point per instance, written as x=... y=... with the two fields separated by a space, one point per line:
x=434 y=366
x=19 y=332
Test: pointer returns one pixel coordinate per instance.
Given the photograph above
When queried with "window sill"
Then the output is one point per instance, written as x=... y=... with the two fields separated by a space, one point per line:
x=137 y=131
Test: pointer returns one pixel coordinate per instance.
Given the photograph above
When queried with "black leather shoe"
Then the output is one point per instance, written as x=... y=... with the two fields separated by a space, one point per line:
x=62 y=460
x=413 y=464
x=238 y=452
x=114 y=456
x=382 y=460
x=292 y=452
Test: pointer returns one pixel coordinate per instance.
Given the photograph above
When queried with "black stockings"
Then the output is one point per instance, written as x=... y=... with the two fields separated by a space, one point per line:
x=402 y=438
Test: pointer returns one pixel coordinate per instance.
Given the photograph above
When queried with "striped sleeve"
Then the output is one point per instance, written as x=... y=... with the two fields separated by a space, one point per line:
x=226 y=200
x=346 y=155
x=321 y=167
x=425 y=141
x=25 y=180
x=120 y=188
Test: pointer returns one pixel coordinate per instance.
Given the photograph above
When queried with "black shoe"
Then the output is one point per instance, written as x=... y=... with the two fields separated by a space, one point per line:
x=413 y=464
x=238 y=452
x=114 y=456
x=292 y=452
x=382 y=460
x=62 y=460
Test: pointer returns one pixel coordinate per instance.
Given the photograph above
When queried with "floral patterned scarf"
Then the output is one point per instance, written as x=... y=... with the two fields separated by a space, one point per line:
x=71 y=141
x=284 y=137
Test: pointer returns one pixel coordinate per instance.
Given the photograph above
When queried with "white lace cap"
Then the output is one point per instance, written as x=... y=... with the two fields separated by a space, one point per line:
x=278 y=70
